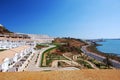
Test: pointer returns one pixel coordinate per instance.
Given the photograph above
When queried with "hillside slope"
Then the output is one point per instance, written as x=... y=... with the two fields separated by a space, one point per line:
x=3 y=30
x=72 y=41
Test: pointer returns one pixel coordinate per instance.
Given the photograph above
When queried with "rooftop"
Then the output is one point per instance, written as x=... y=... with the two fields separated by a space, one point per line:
x=14 y=39
x=11 y=53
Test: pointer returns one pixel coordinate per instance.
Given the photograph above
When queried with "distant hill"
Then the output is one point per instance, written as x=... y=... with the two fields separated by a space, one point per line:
x=3 y=30
x=72 y=41
x=71 y=45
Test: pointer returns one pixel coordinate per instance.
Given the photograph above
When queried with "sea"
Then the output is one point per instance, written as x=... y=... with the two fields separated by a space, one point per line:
x=110 y=46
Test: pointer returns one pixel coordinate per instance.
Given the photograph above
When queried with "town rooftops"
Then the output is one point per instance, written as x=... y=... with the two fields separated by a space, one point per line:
x=11 y=52
x=14 y=39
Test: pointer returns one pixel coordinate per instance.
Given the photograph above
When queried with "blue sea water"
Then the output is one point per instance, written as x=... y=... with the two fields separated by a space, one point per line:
x=110 y=46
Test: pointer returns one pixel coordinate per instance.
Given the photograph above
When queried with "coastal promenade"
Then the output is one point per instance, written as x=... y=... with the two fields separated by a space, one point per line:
x=115 y=64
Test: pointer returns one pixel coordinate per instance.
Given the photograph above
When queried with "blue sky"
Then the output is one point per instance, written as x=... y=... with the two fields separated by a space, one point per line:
x=63 y=18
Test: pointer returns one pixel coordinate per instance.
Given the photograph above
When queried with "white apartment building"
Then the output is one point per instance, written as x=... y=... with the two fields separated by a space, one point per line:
x=18 y=51
x=41 y=38
x=9 y=43
x=9 y=58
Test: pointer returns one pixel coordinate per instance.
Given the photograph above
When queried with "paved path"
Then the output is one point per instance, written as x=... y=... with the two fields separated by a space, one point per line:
x=40 y=54
x=79 y=64
x=72 y=63
x=36 y=66
x=92 y=65
x=53 y=69
x=115 y=64
x=32 y=66
x=32 y=63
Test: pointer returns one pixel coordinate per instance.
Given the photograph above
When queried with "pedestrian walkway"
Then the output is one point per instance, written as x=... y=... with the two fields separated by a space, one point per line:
x=35 y=66
x=72 y=63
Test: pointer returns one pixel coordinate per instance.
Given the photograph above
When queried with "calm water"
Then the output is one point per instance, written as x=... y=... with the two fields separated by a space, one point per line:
x=110 y=46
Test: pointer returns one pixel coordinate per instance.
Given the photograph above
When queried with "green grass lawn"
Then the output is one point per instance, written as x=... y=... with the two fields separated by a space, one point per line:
x=85 y=64
x=98 y=64
x=51 y=57
x=48 y=50
x=39 y=46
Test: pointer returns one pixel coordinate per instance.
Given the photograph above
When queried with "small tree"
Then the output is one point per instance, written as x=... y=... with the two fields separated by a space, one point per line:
x=59 y=64
x=107 y=61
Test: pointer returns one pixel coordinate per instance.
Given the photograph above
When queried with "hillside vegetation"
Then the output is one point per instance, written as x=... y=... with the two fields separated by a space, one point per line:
x=68 y=45
x=71 y=41
x=3 y=30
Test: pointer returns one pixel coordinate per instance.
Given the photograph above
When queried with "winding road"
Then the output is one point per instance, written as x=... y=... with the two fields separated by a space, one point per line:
x=115 y=64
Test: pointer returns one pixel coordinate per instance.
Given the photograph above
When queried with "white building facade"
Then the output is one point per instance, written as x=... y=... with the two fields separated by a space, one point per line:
x=10 y=61
x=9 y=44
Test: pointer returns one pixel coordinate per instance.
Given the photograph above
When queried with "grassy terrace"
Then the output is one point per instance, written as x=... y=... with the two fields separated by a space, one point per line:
x=85 y=64
x=39 y=46
x=44 y=54
x=98 y=64
x=74 y=52
x=51 y=57
x=81 y=60
x=48 y=57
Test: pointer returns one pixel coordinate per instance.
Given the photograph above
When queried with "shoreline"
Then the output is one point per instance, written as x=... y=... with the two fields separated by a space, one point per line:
x=111 y=53
x=98 y=57
x=114 y=54
x=93 y=48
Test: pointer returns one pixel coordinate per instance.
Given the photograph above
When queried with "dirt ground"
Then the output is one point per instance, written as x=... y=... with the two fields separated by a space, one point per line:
x=63 y=75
